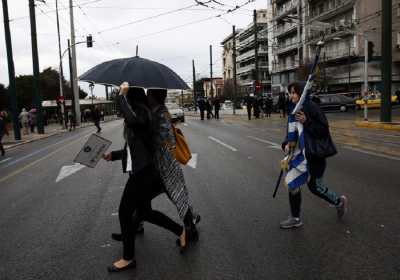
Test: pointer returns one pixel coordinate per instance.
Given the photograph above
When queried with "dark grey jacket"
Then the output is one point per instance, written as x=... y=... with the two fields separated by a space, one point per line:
x=137 y=134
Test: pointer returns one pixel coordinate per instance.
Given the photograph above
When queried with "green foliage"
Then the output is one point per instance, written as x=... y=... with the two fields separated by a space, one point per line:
x=49 y=88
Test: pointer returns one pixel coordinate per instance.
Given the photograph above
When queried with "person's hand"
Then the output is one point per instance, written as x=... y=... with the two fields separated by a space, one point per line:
x=301 y=117
x=123 y=88
x=286 y=149
x=107 y=157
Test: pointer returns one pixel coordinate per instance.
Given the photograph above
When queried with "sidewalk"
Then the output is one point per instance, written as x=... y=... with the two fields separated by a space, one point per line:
x=50 y=130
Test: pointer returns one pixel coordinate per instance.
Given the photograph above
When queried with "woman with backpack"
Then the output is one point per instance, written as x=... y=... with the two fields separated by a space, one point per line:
x=164 y=142
x=318 y=145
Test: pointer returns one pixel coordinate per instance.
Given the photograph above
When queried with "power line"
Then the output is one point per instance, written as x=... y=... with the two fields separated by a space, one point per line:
x=186 y=24
x=144 y=19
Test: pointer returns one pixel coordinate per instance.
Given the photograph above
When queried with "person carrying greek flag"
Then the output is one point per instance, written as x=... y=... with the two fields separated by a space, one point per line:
x=308 y=143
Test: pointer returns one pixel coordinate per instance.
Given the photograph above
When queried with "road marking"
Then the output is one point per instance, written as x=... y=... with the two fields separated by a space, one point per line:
x=68 y=170
x=193 y=161
x=371 y=153
x=114 y=214
x=4 y=160
x=16 y=172
x=222 y=143
x=273 y=144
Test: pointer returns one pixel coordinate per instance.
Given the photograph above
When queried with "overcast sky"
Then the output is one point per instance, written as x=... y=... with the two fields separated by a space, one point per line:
x=103 y=19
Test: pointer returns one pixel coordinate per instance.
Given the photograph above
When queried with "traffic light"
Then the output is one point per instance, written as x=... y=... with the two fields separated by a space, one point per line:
x=89 y=41
x=370 y=50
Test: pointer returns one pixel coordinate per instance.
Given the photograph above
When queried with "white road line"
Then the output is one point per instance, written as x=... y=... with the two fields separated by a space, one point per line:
x=222 y=143
x=273 y=144
x=4 y=160
x=371 y=153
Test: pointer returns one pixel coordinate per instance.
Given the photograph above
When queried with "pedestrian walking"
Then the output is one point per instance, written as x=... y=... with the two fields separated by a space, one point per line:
x=3 y=131
x=96 y=117
x=144 y=182
x=282 y=105
x=249 y=105
x=217 y=107
x=269 y=103
x=257 y=107
x=71 y=120
x=202 y=107
x=32 y=119
x=310 y=129
x=209 y=109
x=169 y=168
x=24 y=120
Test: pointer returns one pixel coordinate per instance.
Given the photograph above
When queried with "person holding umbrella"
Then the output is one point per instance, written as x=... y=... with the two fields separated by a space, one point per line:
x=144 y=182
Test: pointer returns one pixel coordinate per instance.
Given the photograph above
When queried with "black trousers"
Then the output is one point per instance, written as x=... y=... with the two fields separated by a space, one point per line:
x=249 y=112
x=140 y=189
x=216 y=114
x=97 y=124
x=202 y=114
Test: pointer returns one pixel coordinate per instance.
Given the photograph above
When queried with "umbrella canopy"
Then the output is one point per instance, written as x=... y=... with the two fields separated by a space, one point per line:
x=137 y=72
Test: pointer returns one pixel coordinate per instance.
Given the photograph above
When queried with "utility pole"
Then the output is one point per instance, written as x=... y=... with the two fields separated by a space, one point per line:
x=12 y=94
x=194 y=87
x=62 y=103
x=74 y=77
x=365 y=77
x=234 y=68
x=137 y=50
x=349 y=66
x=71 y=75
x=255 y=48
x=386 y=105
x=35 y=59
x=211 y=74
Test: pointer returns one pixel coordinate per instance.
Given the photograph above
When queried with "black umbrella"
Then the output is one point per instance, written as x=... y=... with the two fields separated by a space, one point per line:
x=137 y=72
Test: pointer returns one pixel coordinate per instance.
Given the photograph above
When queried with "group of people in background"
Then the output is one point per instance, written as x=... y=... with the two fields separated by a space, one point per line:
x=209 y=106
x=260 y=107
x=3 y=130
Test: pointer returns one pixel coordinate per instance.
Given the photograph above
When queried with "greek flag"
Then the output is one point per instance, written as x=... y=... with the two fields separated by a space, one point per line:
x=297 y=174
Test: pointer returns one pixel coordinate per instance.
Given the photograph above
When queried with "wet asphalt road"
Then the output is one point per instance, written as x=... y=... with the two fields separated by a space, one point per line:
x=61 y=230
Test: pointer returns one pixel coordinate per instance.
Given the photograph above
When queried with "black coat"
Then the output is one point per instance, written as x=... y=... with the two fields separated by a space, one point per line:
x=137 y=134
x=316 y=128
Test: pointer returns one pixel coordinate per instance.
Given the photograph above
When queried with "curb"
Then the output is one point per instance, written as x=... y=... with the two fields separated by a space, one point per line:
x=379 y=125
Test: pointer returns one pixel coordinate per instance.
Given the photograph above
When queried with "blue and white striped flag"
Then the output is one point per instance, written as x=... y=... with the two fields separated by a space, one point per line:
x=297 y=174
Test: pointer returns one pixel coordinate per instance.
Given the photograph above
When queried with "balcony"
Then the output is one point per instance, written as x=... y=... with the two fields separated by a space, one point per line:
x=276 y=68
x=245 y=69
x=285 y=30
x=337 y=54
x=282 y=12
x=286 y=48
x=329 y=13
x=245 y=56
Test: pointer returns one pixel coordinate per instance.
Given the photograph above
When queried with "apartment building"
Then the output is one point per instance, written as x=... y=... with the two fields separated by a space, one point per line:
x=287 y=45
x=345 y=25
x=246 y=55
x=227 y=55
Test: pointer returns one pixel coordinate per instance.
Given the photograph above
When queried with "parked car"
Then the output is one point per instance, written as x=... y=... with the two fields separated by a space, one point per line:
x=334 y=102
x=373 y=101
x=176 y=112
